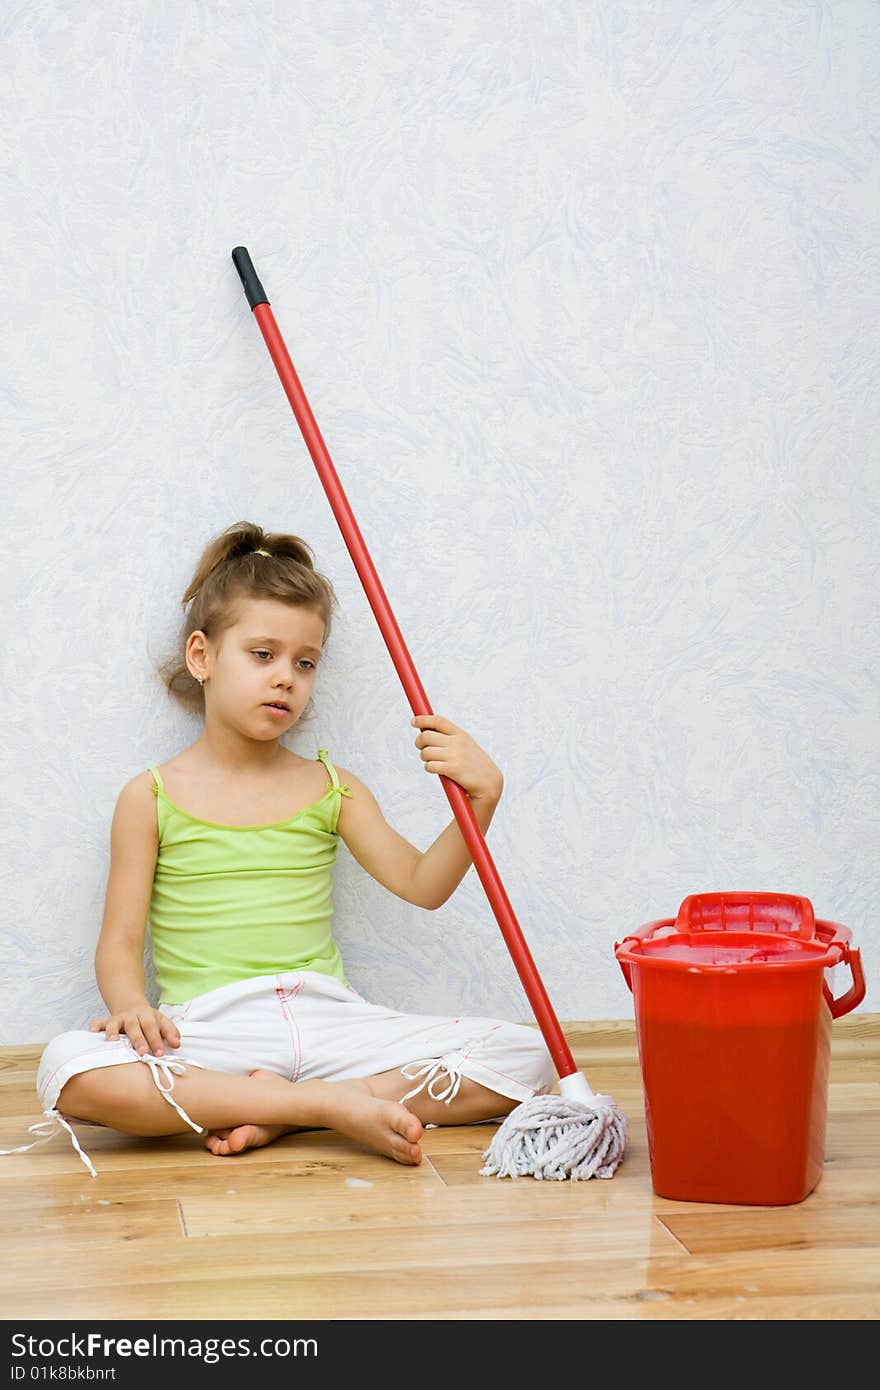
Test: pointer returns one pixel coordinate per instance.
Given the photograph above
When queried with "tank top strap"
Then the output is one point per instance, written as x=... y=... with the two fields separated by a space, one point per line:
x=343 y=789
x=162 y=804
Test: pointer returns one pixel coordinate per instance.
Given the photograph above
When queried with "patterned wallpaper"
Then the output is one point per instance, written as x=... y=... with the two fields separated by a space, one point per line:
x=585 y=301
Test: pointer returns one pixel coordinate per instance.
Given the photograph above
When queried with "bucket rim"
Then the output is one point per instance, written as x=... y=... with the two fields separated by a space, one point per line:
x=805 y=955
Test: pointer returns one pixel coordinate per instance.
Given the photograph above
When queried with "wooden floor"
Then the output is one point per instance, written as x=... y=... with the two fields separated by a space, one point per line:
x=312 y=1227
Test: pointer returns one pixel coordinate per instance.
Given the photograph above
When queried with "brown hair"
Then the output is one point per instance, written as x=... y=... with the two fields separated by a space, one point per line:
x=228 y=571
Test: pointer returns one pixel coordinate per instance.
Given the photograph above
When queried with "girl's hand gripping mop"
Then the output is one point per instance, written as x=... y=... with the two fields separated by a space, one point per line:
x=575 y=1134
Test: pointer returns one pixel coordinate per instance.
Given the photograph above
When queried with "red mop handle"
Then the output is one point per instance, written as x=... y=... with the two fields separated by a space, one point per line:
x=461 y=806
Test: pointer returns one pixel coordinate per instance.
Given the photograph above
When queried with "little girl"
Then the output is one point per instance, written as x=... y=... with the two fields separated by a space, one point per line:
x=227 y=851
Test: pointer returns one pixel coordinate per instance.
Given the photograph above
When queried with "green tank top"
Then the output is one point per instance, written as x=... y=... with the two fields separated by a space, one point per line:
x=233 y=901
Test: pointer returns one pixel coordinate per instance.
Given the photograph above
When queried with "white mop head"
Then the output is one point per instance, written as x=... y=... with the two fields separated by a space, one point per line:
x=558 y=1137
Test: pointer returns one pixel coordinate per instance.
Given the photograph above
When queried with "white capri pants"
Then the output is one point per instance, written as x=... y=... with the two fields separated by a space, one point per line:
x=303 y=1025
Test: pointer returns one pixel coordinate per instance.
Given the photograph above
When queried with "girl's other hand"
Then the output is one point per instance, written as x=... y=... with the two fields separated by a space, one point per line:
x=449 y=751
x=144 y=1026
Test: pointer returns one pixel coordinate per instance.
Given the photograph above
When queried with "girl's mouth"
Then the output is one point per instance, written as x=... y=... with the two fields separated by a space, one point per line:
x=277 y=709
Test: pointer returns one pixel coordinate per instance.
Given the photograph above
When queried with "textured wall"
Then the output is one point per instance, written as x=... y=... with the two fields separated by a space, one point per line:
x=585 y=300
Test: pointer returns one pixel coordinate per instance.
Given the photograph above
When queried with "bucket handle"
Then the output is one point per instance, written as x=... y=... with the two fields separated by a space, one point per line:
x=627 y=974
x=851 y=956
x=636 y=937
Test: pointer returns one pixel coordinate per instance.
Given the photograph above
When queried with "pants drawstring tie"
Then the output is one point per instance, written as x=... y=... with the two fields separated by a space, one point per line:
x=46 y=1129
x=430 y=1069
x=154 y=1063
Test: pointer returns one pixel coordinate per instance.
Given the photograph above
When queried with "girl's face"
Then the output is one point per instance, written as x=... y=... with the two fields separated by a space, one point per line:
x=269 y=657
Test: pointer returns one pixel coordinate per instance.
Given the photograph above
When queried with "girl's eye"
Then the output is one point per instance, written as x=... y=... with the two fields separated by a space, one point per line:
x=309 y=664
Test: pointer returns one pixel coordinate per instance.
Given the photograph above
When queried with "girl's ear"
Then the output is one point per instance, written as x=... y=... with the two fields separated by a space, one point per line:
x=195 y=652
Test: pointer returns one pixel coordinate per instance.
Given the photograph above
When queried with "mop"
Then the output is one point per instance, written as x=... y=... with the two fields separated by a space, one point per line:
x=576 y=1134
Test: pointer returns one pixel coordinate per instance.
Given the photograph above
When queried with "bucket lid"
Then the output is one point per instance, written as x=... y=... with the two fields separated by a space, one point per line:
x=728 y=952
x=783 y=913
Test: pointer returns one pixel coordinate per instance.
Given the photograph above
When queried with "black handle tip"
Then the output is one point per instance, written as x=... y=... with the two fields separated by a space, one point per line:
x=249 y=278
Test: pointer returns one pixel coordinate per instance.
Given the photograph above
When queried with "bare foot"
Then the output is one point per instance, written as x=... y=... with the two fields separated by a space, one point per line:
x=385 y=1126
x=226 y=1142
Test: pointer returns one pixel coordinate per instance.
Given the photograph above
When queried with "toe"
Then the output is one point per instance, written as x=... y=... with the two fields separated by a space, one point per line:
x=410 y=1127
x=218 y=1142
x=406 y=1152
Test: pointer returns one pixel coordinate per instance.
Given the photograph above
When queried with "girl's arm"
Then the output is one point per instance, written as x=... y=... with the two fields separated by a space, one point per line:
x=442 y=867
x=134 y=848
x=426 y=878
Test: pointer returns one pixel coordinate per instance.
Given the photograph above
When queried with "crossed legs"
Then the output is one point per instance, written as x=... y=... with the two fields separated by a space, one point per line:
x=242 y=1112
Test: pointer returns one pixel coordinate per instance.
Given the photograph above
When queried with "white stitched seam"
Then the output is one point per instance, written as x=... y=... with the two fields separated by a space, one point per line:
x=296 y=1047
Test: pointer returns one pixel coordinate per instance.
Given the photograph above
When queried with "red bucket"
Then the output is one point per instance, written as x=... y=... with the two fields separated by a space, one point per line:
x=733 y=1015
